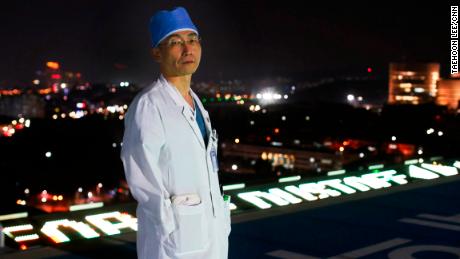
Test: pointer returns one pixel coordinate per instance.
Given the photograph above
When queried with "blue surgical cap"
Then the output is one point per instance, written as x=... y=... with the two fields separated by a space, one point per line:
x=164 y=23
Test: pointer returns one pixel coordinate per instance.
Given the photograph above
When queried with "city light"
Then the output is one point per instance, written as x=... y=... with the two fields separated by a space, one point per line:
x=124 y=84
x=52 y=65
x=350 y=97
x=269 y=97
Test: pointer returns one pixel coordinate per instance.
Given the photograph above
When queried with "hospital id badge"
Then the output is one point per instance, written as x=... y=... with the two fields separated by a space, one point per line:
x=215 y=165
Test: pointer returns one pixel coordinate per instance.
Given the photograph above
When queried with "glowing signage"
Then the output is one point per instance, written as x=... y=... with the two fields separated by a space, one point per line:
x=54 y=229
x=313 y=191
x=11 y=232
x=288 y=191
x=109 y=228
x=51 y=229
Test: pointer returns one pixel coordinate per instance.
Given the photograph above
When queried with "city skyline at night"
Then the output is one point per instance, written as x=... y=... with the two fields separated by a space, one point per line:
x=329 y=131
x=108 y=41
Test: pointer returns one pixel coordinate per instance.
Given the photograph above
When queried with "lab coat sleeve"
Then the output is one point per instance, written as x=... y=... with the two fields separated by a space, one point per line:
x=142 y=142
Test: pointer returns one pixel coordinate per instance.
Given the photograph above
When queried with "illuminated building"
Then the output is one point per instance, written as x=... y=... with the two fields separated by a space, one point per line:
x=54 y=79
x=412 y=83
x=29 y=105
x=285 y=157
x=449 y=93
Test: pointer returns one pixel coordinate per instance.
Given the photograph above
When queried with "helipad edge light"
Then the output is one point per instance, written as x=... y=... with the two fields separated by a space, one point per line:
x=233 y=186
x=337 y=172
x=86 y=206
x=411 y=162
x=13 y=216
x=289 y=179
x=373 y=167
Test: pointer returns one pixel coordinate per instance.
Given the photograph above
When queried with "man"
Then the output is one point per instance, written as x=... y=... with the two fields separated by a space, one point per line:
x=170 y=153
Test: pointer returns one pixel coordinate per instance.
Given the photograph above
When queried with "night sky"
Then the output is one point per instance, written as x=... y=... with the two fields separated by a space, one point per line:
x=108 y=40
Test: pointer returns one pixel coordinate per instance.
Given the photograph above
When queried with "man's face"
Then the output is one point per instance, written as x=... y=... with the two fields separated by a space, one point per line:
x=179 y=54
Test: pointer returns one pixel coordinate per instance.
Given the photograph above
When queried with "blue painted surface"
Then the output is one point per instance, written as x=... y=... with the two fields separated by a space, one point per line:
x=341 y=228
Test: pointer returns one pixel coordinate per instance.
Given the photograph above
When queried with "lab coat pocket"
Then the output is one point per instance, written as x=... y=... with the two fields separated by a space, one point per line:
x=192 y=232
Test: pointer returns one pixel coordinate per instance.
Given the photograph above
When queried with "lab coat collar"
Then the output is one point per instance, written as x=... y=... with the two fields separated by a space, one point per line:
x=207 y=120
x=174 y=93
x=187 y=112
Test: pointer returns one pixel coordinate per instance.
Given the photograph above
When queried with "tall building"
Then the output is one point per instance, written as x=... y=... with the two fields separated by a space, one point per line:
x=412 y=83
x=449 y=93
x=26 y=105
x=57 y=80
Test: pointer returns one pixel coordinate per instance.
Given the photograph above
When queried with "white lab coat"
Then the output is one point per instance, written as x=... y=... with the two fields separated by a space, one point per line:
x=164 y=154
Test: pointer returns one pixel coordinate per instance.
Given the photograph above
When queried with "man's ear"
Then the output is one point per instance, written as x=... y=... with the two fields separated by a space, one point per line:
x=156 y=54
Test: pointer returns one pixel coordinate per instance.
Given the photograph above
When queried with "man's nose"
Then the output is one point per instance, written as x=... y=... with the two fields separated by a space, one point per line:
x=186 y=49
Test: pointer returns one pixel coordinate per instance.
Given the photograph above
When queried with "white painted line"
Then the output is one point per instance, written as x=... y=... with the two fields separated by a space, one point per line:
x=453 y=219
x=430 y=224
x=368 y=250
x=289 y=255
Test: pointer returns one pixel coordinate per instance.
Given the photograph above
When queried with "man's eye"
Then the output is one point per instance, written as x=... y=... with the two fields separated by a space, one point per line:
x=174 y=43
